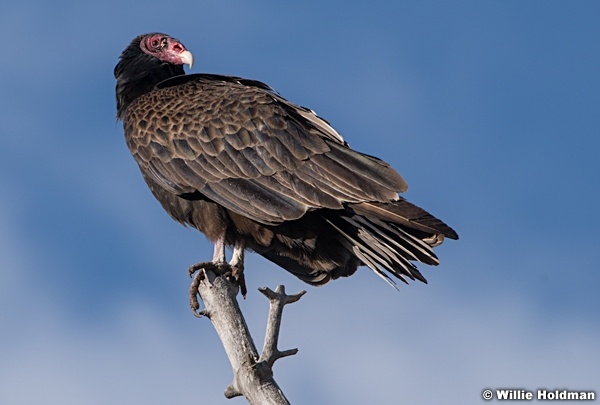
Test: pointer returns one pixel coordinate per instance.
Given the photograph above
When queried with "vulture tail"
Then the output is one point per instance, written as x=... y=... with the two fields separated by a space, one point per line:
x=388 y=237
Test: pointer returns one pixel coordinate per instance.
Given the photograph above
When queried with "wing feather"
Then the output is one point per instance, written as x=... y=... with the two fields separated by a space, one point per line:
x=241 y=145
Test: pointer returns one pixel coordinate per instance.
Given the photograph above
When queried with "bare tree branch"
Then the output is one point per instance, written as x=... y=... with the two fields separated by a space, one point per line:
x=252 y=375
x=278 y=299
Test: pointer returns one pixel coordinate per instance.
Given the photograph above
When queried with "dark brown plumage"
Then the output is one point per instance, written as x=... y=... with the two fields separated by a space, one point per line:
x=233 y=159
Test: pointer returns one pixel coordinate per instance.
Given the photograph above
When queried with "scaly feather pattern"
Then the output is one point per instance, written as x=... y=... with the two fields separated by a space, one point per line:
x=232 y=158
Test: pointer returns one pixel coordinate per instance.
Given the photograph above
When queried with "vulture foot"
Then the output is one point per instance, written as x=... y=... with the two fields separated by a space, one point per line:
x=234 y=273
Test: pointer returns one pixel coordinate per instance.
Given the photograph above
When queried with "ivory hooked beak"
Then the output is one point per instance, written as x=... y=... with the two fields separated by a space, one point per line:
x=187 y=58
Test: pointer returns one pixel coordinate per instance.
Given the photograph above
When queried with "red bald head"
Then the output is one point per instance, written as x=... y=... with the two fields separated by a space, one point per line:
x=166 y=48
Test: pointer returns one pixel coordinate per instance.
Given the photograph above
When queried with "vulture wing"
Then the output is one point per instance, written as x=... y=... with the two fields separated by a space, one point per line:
x=239 y=144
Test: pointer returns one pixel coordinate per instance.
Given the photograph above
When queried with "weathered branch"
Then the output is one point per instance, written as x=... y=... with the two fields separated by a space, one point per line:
x=252 y=375
x=278 y=299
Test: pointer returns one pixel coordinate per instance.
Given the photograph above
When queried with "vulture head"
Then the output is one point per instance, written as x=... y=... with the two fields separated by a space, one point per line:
x=149 y=59
x=165 y=49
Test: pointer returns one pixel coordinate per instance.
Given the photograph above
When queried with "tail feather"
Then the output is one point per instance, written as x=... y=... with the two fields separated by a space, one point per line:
x=390 y=258
x=415 y=248
x=402 y=212
x=363 y=254
x=371 y=245
x=388 y=237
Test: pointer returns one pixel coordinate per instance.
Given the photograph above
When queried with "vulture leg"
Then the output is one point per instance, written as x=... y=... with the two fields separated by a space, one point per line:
x=219 y=252
x=219 y=265
x=237 y=267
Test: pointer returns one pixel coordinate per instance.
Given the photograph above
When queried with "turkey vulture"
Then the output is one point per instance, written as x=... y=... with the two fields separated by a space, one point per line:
x=249 y=169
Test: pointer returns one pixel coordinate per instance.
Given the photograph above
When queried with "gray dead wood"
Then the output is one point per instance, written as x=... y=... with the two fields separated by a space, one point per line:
x=252 y=374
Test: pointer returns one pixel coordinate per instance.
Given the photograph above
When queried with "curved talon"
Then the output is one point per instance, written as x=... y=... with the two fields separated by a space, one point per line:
x=198 y=266
x=194 y=303
x=234 y=273
x=237 y=273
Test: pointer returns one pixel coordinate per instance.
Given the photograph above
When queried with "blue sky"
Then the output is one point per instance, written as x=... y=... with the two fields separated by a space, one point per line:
x=489 y=109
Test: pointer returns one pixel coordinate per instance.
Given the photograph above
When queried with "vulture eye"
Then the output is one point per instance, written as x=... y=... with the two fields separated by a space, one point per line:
x=158 y=42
